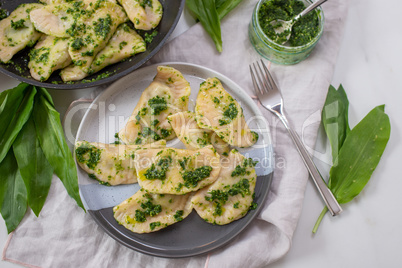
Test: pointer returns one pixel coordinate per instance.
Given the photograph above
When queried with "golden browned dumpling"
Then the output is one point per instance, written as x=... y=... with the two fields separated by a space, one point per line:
x=48 y=55
x=145 y=212
x=166 y=95
x=231 y=195
x=176 y=171
x=145 y=14
x=110 y=164
x=192 y=136
x=217 y=110
x=17 y=31
x=90 y=36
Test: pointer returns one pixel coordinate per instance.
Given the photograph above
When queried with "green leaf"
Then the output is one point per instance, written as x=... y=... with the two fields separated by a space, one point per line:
x=360 y=155
x=335 y=119
x=206 y=13
x=13 y=194
x=344 y=99
x=223 y=7
x=51 y=137
x=34 y=168
x=46 y=94
x=16 y=106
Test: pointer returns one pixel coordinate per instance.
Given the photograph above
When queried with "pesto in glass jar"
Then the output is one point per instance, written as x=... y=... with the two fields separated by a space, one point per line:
x=303 y=31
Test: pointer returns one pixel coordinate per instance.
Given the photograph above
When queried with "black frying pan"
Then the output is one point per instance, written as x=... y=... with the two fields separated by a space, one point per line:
x=172 y=10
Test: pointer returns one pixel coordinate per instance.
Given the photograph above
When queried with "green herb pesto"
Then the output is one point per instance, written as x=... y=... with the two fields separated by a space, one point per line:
x=303 y=31
x=93 y=176
x=148 y=132
x=148 y=37
x=179 y=215
x=229 y=114
x=102 y=26
x=117 y=138
x=192 y=177
x=253 y=206
x=158 y=171
x=242 y=170
x=183 y=162
x=77 y=44
x=122 y=44
x=242 y=187
x=19 y=24
x=157 y=104
x=153 y=225
x=3 y=14
x=145 y=3
x=165 y=133
x=39 y=55
x=149 y=209
x=220 y=197
x=88 y=154
x=155 y=122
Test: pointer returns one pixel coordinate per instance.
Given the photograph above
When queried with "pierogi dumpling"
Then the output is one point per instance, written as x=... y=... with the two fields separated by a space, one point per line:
x=192 y=136
x=124 y=44
x=48 y=55
x=57 y=19
x=91 y=36
x=176 y=171
x=229 y=198
x=145 y=15
x=166 y=95
x=17 y=31
x=110 y=164
x=145 y=212
x=217 y=110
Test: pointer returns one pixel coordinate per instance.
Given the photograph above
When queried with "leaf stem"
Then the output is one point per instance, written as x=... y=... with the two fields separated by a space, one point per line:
x=317 y=223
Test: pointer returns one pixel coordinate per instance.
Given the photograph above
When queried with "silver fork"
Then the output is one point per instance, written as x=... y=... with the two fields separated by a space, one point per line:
x=271 y=98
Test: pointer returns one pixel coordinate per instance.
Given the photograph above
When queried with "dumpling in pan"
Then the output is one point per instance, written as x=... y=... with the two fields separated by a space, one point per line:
x=166 y=95
x=192 y=136
x=124 y=44
x=229 y=198
x=176 y=171
x=49 y=54
x=91 y=37
x=57 y=19
x=217 y=110
x=145 y=14
x=17 y=31
x=145 y=212
x=110 y=164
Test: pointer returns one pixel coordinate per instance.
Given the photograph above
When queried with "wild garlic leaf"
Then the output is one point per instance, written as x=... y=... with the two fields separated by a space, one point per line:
x=205 y=11
x=51 y=137
x=34 y=168
x=360 y=155
x=335 y=119
x=223 y=7
x=13 y=194
x=16 y=107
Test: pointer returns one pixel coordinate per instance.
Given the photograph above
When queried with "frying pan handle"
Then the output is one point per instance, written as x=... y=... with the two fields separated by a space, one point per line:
x=72 y=119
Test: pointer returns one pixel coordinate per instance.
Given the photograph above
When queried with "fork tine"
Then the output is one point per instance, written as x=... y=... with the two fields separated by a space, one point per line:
x=270 y=79
x=263 y=79
x=256 y=87
x=257 y=81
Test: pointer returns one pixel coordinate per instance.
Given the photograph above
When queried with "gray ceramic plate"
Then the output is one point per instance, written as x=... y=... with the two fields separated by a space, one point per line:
x=192 y=236
x=18 y=69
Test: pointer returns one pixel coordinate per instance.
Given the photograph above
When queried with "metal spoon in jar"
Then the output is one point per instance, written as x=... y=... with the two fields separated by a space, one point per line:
x=281 y=26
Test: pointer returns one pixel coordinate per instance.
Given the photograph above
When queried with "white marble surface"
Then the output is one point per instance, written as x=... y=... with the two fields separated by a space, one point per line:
x=368 y=233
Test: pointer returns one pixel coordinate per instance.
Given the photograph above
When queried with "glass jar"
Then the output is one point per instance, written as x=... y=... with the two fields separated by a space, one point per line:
x=281 y=54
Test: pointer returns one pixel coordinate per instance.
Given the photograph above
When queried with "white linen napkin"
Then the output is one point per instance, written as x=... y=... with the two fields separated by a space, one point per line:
x=64 y=236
